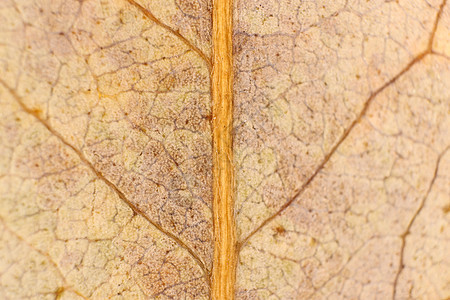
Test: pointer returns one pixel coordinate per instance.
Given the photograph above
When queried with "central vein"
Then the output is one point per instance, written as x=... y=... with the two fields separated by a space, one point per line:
x=224 y=268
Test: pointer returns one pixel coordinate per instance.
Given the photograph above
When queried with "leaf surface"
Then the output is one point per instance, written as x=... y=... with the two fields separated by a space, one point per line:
x=106 y=151
x=341 y=149
x=341 y=128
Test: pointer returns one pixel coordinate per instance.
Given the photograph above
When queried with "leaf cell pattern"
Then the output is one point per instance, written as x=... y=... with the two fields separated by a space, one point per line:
x=342 y=137
x=106 y=151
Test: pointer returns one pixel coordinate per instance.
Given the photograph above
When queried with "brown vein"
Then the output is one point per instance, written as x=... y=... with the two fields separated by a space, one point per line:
x=407 y=232
x=99 y=175
x=194 y=48
x=344 y=136
x=225 y=254
x=435 y=25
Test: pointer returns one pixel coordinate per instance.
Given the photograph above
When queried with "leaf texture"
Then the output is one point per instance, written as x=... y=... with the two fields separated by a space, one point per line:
x=341 y=138
x=106 y=151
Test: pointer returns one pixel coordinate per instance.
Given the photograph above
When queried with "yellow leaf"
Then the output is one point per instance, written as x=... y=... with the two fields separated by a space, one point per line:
x=248 y=149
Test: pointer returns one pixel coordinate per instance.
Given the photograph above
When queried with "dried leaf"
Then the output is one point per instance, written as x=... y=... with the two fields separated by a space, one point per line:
x=341 y=149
